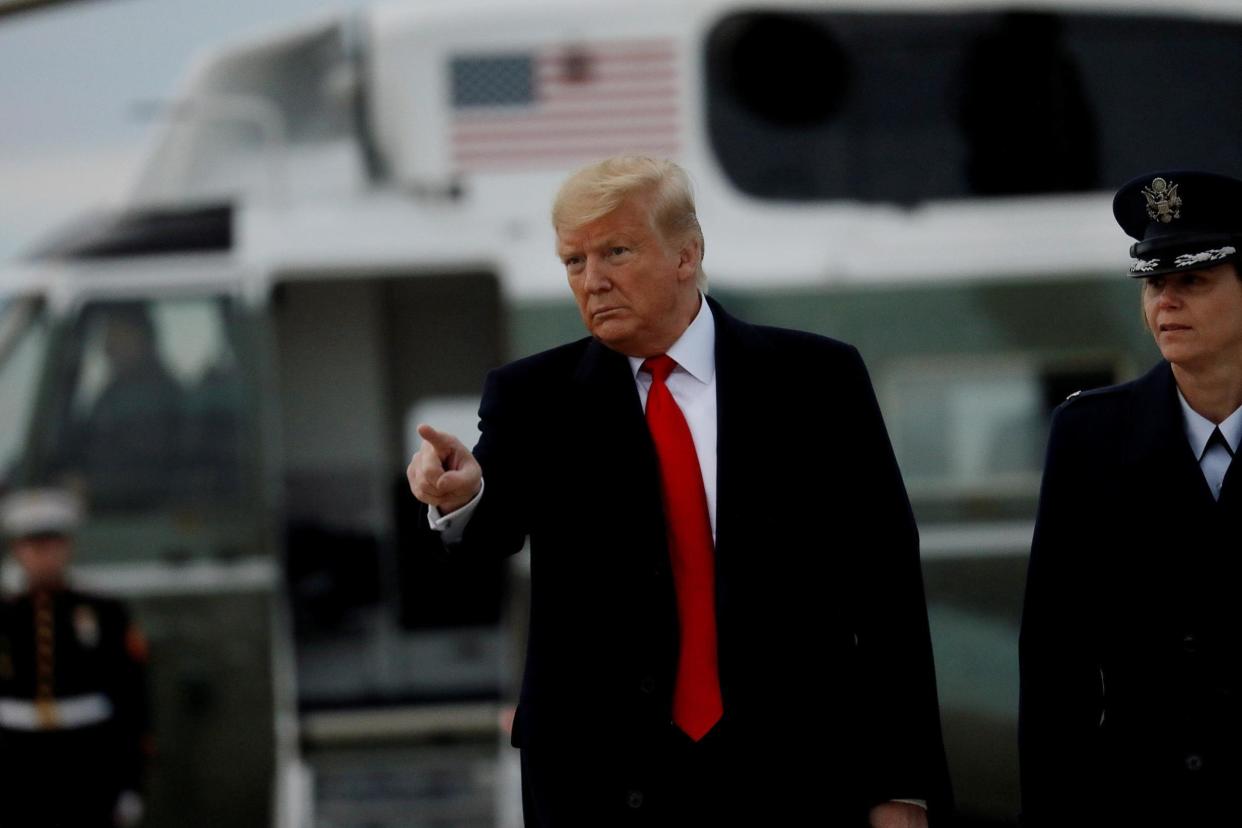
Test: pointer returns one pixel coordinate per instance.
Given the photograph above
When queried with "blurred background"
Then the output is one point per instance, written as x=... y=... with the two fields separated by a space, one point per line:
x=318 y=224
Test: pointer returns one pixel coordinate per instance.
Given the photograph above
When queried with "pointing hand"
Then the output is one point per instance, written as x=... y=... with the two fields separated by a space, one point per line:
x=443 y=473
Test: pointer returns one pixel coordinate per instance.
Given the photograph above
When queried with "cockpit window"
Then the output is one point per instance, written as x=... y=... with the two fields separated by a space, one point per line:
x=23 y=340
x=149 y=406
x=905 y=108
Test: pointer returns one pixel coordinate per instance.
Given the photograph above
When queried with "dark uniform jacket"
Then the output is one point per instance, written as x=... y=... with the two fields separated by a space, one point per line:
x=824 y=653
x=69 y=768
x=1131 y=643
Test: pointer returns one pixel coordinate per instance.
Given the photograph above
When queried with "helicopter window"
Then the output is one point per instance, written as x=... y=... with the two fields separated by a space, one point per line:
x=359 y=360
x=968 y=428
x=905 y=108
x=977 y=426
x=756 y=56
x=23 y=335
x=149 y=405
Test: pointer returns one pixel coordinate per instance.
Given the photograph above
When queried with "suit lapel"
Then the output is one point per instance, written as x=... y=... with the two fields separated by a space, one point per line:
x=1194 y=545
x=1231 y=488
x=1184 y=564
x=742 y=394
x=1163 y=458
x=738 y=395
x=610 y=414
x=604 y=376
x=1162 y=449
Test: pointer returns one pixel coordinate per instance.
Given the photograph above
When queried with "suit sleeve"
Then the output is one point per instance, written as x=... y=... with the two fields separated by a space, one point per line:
x=903 y=746
x=1061 y=691
x=498 y=524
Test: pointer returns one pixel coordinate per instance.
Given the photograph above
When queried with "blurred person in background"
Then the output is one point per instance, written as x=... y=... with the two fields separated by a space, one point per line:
x=728 y=623
x=73 y=708
x=1132 y=629
x=129 y=437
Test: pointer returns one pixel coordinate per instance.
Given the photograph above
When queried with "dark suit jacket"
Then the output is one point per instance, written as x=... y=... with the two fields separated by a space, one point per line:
x=1131 y=645
x=824 y=653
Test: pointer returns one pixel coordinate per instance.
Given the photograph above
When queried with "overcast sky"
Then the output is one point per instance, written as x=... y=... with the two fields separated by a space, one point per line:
x=73 y=80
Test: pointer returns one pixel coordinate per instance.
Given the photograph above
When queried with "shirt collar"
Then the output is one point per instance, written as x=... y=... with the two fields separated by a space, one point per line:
x=1199 y=428
x=695 y=350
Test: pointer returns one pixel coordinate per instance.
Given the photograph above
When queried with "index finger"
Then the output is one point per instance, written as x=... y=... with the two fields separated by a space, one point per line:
x=441 y=441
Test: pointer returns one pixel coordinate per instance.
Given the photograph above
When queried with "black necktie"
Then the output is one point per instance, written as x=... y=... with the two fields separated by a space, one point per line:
x=1219 y=439
x=1216 y=466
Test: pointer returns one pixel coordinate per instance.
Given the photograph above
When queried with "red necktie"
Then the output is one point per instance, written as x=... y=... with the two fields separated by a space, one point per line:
x=697 y=704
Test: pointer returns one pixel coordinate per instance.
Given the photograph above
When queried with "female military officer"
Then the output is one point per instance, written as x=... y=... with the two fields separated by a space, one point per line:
x=1131 y=642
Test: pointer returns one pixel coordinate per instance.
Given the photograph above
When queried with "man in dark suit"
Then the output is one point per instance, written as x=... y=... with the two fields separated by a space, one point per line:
x=727 y=615
x=1132 y=629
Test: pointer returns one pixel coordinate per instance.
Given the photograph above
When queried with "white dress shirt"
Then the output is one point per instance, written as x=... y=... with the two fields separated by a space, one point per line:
x=693 y=386
x=1213 y=459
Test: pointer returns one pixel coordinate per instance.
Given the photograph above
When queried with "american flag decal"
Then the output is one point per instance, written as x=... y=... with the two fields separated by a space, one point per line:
x=564 y=105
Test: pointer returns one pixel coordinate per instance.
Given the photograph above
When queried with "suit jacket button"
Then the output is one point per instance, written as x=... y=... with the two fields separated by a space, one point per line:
x=647 y=685
x=635 y=799
x=1194 y=762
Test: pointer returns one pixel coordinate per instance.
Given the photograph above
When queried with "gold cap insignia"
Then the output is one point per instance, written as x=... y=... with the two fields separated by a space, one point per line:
x=1163 y=202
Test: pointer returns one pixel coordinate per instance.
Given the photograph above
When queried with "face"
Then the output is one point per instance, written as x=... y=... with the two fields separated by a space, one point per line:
x=124 y=343
x=1196 y=316
x=43 y=558
x=635 y=291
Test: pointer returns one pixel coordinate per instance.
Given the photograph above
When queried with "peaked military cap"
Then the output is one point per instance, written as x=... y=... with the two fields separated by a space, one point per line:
x=40 y=512
x=1181 y=220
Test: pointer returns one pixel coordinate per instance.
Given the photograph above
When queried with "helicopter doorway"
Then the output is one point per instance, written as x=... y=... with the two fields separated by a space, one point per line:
x=356 y=355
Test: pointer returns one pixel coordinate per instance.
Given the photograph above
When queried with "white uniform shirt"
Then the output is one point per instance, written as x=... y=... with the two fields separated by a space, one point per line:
x=1213 y=459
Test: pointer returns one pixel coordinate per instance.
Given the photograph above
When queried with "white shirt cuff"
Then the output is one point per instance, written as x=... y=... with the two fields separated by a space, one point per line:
x=922 y=803
x=453 y=525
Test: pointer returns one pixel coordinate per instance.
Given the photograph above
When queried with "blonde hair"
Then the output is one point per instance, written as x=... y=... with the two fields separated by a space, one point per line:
x=596 y=190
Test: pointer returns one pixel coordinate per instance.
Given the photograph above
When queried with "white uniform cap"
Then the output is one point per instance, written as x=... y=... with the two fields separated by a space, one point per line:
x=40 y=511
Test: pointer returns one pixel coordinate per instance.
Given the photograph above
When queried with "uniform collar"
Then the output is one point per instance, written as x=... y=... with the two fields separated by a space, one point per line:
x=695 y=350
x=1199 y=428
